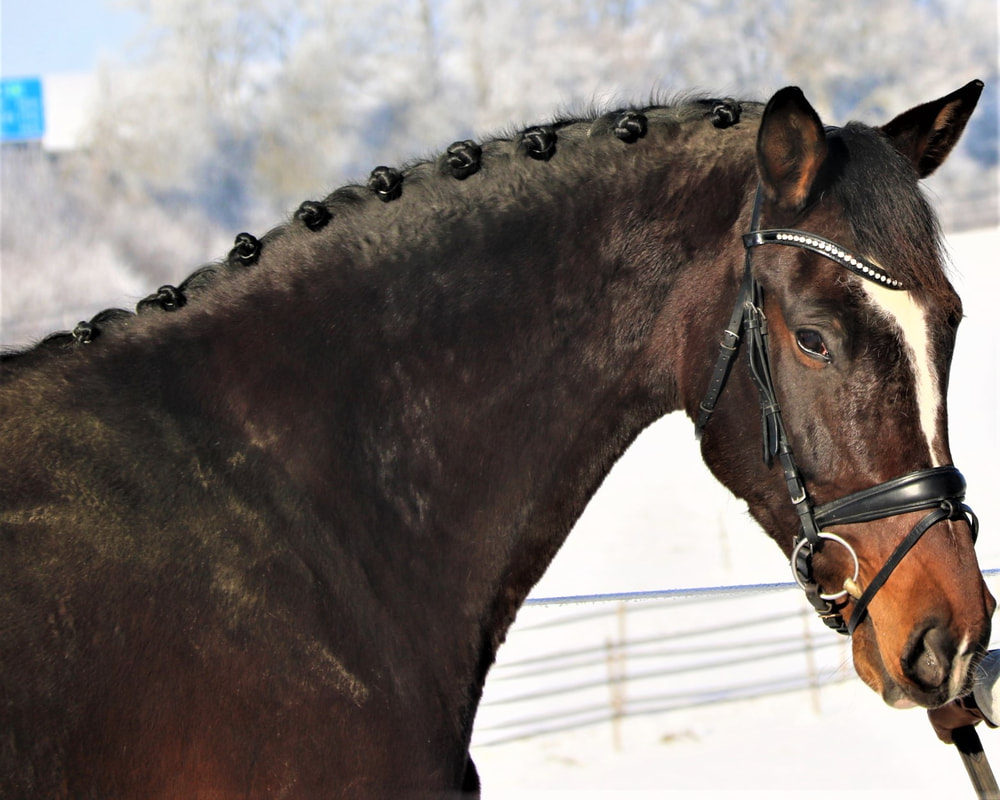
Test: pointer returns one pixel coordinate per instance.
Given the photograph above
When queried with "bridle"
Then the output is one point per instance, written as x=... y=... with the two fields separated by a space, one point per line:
x=938 y=490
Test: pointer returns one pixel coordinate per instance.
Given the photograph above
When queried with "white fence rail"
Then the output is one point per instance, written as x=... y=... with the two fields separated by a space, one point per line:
x=568 y=665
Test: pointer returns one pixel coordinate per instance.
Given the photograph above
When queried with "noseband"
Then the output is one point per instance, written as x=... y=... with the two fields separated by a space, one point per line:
x=938 y=490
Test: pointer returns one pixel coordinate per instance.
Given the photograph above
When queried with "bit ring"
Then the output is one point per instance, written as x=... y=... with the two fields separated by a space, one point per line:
x=833 y=538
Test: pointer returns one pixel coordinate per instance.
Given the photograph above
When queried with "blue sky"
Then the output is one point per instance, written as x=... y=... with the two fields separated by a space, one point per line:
x=41 y=37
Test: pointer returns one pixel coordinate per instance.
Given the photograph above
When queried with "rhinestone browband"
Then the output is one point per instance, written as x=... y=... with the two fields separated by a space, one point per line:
x=810 y=241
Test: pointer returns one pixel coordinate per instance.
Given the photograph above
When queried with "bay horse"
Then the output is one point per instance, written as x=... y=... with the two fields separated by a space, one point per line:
x=264 y=537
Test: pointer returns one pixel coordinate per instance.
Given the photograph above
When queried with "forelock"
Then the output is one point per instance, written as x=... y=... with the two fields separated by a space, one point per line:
x=889 y=216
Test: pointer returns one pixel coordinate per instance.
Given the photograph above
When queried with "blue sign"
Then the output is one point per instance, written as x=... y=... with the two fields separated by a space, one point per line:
x=23 y=110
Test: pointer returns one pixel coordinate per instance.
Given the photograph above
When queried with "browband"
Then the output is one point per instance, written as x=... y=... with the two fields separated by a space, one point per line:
x=817 y=244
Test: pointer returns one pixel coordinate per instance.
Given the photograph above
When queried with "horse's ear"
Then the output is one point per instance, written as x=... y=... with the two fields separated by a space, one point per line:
x=791 y=148
x=927 y=133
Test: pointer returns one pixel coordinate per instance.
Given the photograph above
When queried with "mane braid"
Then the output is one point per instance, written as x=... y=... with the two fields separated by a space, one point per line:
x=459 y=162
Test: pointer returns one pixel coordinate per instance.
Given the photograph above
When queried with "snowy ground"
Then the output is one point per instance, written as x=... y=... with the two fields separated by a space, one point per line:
x=661 y=521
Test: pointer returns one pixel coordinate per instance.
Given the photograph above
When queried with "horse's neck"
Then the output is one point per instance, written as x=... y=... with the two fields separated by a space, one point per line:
x=449 y=412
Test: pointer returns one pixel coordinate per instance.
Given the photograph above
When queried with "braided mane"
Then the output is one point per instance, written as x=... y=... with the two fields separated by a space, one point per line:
x=456 y=164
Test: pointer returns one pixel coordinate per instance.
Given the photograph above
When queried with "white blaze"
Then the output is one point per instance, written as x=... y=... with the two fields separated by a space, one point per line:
x=911 y=319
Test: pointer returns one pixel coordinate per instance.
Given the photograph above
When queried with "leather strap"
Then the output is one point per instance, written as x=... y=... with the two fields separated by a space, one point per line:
x=724 y=362
x=914 y=491
x=945 y=511
x=731 y=335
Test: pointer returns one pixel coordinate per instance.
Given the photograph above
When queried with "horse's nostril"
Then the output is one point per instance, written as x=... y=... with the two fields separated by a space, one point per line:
x=928 y=660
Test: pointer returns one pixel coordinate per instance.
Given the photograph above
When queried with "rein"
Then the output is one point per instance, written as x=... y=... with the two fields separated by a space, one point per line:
x=940 y=490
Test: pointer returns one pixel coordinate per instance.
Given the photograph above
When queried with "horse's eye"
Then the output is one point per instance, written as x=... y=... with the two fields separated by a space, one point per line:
x=811 y=343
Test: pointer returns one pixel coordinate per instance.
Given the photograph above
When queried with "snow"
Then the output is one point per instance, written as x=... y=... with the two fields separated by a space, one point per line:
x=661 y=521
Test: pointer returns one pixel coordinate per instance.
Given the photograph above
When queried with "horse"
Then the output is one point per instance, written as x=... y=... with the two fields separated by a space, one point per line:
x=264 y=536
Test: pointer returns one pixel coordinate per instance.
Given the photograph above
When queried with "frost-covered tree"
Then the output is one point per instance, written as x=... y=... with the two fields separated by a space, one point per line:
x=274 y=94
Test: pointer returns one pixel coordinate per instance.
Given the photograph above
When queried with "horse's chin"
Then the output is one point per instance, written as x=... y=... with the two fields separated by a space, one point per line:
x=878 y=680
x=896 y=696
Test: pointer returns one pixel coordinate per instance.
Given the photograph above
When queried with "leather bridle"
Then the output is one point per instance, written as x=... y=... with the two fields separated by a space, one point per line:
x=938 y=490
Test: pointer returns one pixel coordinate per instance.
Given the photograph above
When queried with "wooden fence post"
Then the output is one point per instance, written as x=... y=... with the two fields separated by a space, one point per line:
x=615 y=651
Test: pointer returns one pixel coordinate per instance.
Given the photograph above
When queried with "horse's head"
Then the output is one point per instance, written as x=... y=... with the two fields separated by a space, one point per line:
x=859 y=338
